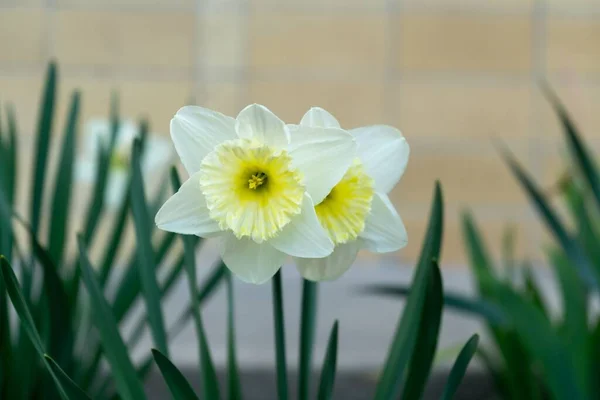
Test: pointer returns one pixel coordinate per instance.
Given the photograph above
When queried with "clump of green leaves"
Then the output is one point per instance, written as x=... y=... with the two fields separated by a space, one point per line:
x=68 y=326
x=539 y=355
x=62 y=328
x=534 y=353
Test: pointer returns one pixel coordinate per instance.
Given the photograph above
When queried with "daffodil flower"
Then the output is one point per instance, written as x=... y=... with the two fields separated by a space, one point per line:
x=357 y=212
x=157 y=155
x=255 y=185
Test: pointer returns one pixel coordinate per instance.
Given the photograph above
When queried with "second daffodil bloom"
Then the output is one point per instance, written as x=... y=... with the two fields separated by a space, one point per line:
x=255 y=185
x=357 y=213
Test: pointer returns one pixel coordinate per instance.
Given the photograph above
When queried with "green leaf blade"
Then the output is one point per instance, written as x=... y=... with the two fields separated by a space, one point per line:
x=43 y=138
x=233 y=373
x=19 y=303
x=307 y=337
x=178 y=385
x=210 y=383
x=328 y=371
x=145 y=254
x=116 y=353
x=279 y=327
x=389 y=385
x=571 y=247
x=460 y=367
x=59 y=217
x=427 y=338
x=578 y=148
x=538 y=336
x=73 y=391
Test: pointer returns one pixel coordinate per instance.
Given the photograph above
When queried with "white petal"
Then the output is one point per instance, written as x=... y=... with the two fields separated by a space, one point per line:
x=96 y=131
x=331 y=267
x=185 y=212
x=322 y=155
x=128 y=131
x=384 y=230
x=196 y=131
x=250 y=261
x=85 y=170
x=384 y=152
x=258 y=122
x=304 y=236
x=157 y=155
x=318 y=117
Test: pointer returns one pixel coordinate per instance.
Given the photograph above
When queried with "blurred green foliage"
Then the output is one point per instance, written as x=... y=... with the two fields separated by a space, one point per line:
x=534 y=352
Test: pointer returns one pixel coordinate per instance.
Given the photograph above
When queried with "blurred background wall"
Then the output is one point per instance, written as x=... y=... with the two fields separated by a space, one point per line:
x=451 y=74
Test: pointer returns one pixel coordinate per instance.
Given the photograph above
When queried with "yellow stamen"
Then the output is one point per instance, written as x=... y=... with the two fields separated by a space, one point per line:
x=257 y=180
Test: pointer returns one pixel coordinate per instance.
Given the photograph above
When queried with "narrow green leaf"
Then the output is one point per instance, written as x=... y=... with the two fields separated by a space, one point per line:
x=5 y=223
x=520 y=378
x=593 y=359
x=279 y=326
x=127 y=291
x=460 y=367
x=115 y=241
x=578 y=148
x=129 y=286
x=72 y=391
x=574 y=329
x=210 y=284
x=13 y=153
x=571 y=247
x=210 y=383
x=114 y=349
x=329 y=366
x=6 y=347
x=586 y=225
x=477 y=307
x=494 y=369
x=538 y=336
x=479 y=257
x=427 y=338
x=8 y=181
x=532 y=291
x=59 y=310
x=307 y=337
x=405 y=337
x=104 y=156
x=178 y=385
x=96 y=206
x=233 y=374
x=20 y=305
x=206 y=290
x=509 y=239
x=140 y=325
x=145 y=253
x=59 y=218
x=115 y=122
x=43 y=138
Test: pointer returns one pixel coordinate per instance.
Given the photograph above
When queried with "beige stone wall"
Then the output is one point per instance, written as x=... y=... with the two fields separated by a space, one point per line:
x=451 y=74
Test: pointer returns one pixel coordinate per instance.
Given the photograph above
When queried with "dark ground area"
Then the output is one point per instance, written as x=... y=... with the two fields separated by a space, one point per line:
x=261 y=385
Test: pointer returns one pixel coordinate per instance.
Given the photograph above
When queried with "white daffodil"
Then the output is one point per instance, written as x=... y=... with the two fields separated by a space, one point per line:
x=357 y=213
x=254 y=185
x=157 y=155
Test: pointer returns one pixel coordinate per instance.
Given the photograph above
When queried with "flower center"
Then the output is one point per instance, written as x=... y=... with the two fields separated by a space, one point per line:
x=251 y=188
x=257 y=180
x=344 y=211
